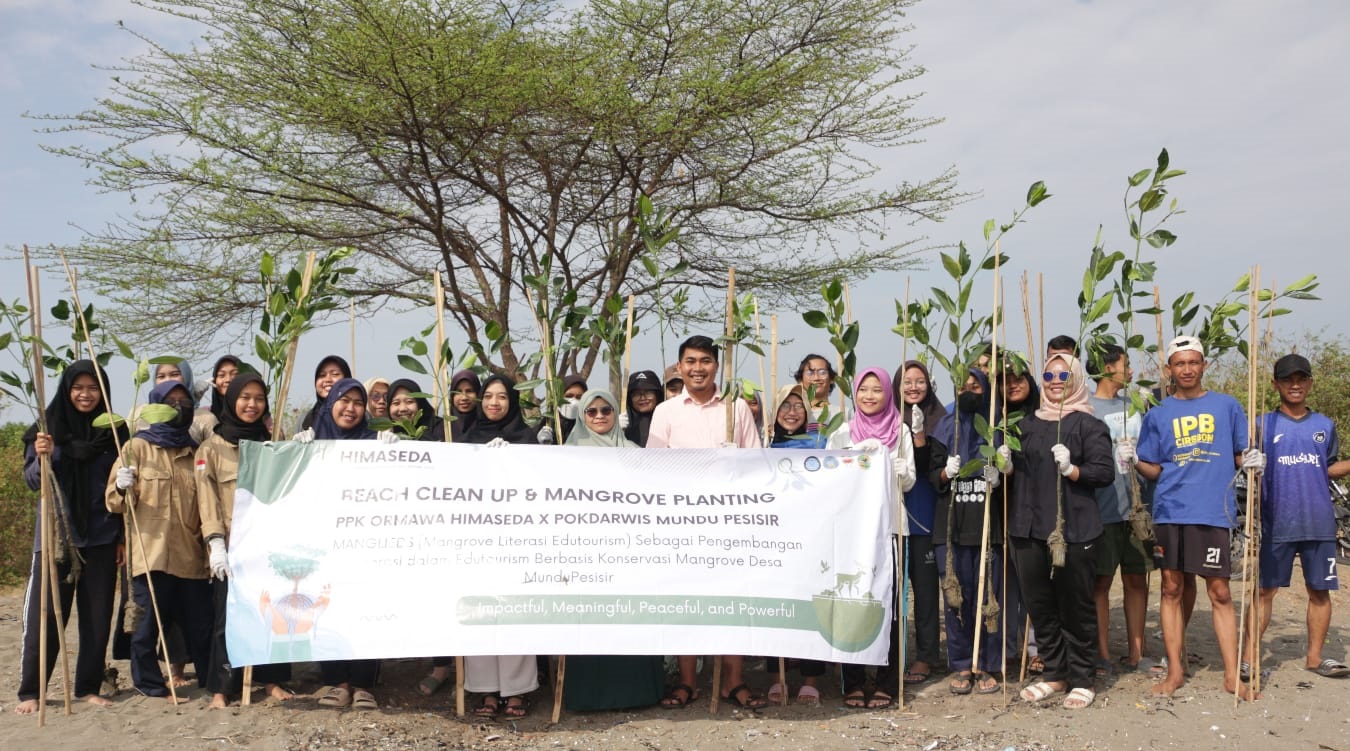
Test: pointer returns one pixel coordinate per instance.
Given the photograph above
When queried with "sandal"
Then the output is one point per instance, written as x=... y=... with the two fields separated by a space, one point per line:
x=488 y=706
x=679 y=695
x=1038 y=691
x=429 y=685
x=961 y=684
x=363 y=699
x=880 y=700
x=751 y=700
x=517 y=706
x=1035 y=666
x=1330 y=668
x=336 y=696
x=983 y=687
x=776 y=693
x=808 y=695
x=1079 y=698
x=855 y=699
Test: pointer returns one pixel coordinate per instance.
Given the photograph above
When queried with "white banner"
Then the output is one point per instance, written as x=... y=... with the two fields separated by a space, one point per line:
x=357 y=549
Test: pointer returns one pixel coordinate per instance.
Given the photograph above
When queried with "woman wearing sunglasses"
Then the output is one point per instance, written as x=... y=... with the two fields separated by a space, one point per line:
x=1065 y=455
x=596 y=682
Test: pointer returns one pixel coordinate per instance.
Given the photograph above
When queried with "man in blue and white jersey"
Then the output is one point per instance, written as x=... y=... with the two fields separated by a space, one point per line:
x=1297 y=514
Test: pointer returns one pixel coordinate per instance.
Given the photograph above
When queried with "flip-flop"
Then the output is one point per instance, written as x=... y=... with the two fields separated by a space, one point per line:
x=517 y=710
x=981 y=677
x=809 y=696
x=1079 y=698
x=486 y=709
x=962 y=684
x=915 y=677
x=1038 y=691
x=1330 y=668
x=855 y=699
x=880 y=700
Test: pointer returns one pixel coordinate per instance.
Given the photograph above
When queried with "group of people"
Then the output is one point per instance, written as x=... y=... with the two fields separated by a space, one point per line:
x=1047 y=476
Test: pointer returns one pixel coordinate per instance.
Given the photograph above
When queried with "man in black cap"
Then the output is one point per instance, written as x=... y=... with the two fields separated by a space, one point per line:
x=1298 y=517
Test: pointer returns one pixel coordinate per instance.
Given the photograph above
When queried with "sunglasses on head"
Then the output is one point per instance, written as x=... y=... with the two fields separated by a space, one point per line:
x=1050 y=376
x=599 y=411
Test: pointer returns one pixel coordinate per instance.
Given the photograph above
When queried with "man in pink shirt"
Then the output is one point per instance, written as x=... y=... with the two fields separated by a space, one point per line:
x=697 y=419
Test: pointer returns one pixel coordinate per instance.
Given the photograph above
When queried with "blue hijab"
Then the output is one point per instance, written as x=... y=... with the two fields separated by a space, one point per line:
x=169 y=434
x=945 y=432
x=326 y=428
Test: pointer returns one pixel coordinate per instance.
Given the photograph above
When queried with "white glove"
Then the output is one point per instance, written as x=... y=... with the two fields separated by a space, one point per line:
x=1003 y=459
x=915 y=418
x=496 y=443
x=728 y=445
x=304 y=436
x=992 y=475
x=126 y=477
x=546 y=434
x=1253 y=459
x=1125 y=452
x=953 y=466
x=387 y=436
x=623 y=420
x=569 y=409
x=219 y=567
x=870 y=445
x=1061 y=453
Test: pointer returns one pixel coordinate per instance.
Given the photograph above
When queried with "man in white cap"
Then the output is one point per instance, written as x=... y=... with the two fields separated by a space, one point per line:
x=1189 y=445
x=1297 y=515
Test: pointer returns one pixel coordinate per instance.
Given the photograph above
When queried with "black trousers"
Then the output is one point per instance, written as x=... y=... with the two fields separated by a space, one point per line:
x=887 y=677
x=357 y=673
x=221 y=677
x=923 y=582
x=1062 y=608
x=185 y=602
x=93 y=596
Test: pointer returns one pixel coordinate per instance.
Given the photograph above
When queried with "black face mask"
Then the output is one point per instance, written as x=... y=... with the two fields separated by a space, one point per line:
x=968 y=401
x=183 y=419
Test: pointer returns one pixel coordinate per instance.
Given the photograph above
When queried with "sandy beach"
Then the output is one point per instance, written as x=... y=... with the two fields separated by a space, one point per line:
x=1299 y=710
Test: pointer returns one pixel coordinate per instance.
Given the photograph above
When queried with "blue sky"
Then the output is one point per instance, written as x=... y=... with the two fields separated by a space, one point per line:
x=1249 y=97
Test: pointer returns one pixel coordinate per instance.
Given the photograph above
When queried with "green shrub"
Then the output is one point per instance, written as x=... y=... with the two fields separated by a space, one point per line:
x=16 y=507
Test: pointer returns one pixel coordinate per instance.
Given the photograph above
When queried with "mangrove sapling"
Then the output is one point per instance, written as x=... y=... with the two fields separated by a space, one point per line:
x=834 y=320
x=963 y=336
x=656 y=231
x=294 y=302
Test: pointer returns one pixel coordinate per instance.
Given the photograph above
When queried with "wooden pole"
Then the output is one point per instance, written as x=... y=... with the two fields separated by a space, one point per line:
x=131 y=492
x=1031 y=354
x=765 y=410
x=902 y=562
x=988 y=492
x=839 y=357
x=1254 y=544
x=773 y=365
x=558 y=688
x=1040 y=294
x=444 y=391
x=627 y=353
x=351 y=318
x=278 y=432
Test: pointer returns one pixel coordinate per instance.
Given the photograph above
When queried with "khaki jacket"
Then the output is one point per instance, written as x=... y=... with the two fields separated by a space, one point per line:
x=165 y=510
x=217 y=472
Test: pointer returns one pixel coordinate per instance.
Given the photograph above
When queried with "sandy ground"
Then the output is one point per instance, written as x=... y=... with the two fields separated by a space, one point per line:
x=1300 y=711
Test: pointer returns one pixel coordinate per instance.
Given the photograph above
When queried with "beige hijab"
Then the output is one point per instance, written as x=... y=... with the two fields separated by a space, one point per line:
x=1075 y=391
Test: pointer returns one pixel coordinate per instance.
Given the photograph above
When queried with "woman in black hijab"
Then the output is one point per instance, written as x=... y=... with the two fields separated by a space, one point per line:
x=222 y=374
x=465 y=391
x=330 y=370
x=644 y=393
x=498 y=417
x=403 y=407
x=81 y=458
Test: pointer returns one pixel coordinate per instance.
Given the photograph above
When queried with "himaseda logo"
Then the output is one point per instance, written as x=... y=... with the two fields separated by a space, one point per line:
x=1303 y=458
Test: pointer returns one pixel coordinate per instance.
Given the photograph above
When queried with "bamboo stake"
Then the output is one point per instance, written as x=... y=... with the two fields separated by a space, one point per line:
x=1003 y=596
x=131 y=492
x=1162 y=353
x=902 y=563
x=558 y=688
x=768 y=432
x=1031 y=353
x=839 y=357
x=1255 y=544
x=988 y=492
x=731 y=436
x=627 y=353
x=1253 y=331
x=278 y=433
x=444 y=391
x=351 y=318
x=765 y=410
x=1040 y=293
x=49 y=589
